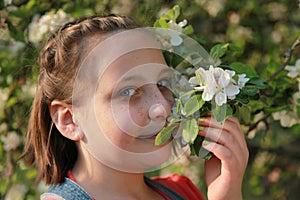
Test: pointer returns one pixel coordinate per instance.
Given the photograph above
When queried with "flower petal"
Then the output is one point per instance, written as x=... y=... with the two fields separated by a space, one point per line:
x=221 y=98
x=292 y=71
x=207 y=95
x=183 y=23
x=193 y=81
x=176 y=40
x=242 y=80
x=231 y=90
x=224 y=79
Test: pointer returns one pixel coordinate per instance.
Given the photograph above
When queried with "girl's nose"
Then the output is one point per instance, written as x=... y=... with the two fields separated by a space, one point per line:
x=157 y=111
x=161 y=108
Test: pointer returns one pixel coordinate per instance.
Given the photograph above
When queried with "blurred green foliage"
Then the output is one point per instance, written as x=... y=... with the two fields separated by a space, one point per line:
x=259 y=33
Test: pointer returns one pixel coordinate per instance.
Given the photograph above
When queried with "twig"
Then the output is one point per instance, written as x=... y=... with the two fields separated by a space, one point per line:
x=253 y=126
x=287 y=57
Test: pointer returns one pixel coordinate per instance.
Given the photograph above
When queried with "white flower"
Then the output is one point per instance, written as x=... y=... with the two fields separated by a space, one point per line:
x=176 y=40
x=296 y=99
x=242 y=80
x=3 y=127
x=287 y=118
x=14 y=47
x=217 y=83
x=294 y=71
x=177 y=27
x=7 y=2
x=28 y=89
x=11 y=141
x=49 y=22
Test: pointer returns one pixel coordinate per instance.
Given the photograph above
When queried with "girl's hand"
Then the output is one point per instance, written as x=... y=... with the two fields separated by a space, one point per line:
x=224 y=171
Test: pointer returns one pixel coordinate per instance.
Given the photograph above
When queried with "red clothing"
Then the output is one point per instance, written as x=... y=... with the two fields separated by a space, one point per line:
x=180 y=184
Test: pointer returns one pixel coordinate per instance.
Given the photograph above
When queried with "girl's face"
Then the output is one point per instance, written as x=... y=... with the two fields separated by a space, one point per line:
x=122 y=100
x=133 y=100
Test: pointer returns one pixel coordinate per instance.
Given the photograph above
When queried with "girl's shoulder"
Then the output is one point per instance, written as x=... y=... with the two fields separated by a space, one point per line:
x=180 y=184
x=66 y=190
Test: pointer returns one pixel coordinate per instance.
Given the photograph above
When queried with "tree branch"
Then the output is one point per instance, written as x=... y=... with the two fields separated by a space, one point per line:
x=287 y=57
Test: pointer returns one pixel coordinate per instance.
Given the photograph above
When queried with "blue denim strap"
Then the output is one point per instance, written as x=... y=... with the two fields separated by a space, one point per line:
x=68 y=190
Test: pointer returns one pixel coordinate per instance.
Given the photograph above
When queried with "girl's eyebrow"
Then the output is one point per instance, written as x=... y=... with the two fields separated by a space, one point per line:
x=137 y=77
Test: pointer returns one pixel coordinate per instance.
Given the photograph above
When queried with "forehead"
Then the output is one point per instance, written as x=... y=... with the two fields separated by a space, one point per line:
x=117 y=53
x=123 y=46
x=141 y=66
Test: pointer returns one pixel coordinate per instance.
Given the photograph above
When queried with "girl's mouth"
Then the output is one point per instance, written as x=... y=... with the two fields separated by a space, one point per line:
x=150 y=136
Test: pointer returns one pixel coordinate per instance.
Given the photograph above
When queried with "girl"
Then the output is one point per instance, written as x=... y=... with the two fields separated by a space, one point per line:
x=102 y=97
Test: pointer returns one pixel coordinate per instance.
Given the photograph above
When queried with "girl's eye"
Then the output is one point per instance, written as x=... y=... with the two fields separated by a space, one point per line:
x=164 y=83
x=128 y=92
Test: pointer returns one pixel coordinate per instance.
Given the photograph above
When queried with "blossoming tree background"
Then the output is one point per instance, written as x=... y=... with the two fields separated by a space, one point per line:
x=259 y=38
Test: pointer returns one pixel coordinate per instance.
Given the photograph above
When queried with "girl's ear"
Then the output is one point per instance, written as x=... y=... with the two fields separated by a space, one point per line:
x=62 y=117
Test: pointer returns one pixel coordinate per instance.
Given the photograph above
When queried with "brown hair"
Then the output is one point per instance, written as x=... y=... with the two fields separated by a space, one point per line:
x=59 y=61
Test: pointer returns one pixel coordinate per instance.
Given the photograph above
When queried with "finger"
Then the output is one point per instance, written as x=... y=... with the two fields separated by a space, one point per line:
x=224 y=138
x=231 y=125
x=236 y=144
x=217 y=135
x=230 y=162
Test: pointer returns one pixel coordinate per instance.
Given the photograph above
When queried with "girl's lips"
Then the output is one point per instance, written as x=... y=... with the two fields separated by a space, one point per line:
x=152 y=136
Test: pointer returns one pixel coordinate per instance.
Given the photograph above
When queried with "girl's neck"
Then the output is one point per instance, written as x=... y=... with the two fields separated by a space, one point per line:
x=101 y=181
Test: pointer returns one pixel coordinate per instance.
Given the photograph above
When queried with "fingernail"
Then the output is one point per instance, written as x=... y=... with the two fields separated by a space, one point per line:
x=200 y=128
x=201 y=119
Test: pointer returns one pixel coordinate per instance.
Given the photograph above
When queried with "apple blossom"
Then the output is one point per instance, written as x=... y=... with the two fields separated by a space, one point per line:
x=287 y=118
x=294 y=71
x=11 y=141
x=176 y=40
x=218 y=84
x=45 y=24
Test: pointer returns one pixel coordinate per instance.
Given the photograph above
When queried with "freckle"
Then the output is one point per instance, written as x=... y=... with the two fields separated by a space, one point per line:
x=141 y=111
x=124 y=108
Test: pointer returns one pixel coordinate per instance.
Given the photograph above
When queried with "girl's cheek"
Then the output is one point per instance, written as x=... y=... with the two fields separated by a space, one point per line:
x=139 y=112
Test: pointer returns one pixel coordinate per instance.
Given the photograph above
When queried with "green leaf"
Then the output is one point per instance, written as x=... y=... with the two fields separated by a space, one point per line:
x=193 y=104
x=242 y=98
x=218 y=50
x=250 y=91
x=171 y=14
x=241 y=68
x=160 y=23
x=176 y=12
x=164 y=135
x=185 y=95
x=196 y=146
x=178 y=106
x=244 y=114
x=190 y=130
x=204 y=154
x=259 y=82
x=222 y=112
x=298 y=112
x=11 y=102
x=18 y=35
x=188 y=30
